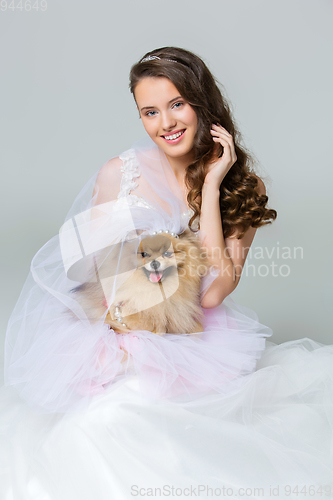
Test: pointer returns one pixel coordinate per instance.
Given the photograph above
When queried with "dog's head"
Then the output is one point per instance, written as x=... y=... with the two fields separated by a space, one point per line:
x=163 y=255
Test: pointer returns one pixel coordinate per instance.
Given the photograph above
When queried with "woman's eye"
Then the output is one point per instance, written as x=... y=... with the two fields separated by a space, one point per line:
x=176 y=105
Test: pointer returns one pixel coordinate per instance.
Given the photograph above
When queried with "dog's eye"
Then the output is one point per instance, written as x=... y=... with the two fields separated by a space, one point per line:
x=144 y=254
x=167 y=254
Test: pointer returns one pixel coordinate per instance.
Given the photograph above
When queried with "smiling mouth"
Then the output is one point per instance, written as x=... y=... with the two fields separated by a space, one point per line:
x=174 y=137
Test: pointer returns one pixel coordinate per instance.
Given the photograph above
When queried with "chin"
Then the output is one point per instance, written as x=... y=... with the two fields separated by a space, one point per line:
x=176 y=150
x=173 y=152
x=162 y=295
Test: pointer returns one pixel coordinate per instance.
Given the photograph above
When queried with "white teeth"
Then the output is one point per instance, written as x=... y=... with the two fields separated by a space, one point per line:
x=174 y=136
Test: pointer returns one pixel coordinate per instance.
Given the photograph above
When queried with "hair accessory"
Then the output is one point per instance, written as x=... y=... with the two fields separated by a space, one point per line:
x=152 y=58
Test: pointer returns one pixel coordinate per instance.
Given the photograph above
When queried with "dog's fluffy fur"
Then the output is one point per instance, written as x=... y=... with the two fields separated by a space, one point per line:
x=163 y=293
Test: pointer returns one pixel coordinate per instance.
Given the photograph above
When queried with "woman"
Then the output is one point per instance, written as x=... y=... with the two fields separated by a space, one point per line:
x=173 y=411
x=190 y=101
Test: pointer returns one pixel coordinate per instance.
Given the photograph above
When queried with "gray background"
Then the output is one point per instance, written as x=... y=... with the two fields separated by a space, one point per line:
x=66 y=109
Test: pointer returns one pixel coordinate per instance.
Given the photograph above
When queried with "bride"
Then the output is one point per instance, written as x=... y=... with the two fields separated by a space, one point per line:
x=89 y=412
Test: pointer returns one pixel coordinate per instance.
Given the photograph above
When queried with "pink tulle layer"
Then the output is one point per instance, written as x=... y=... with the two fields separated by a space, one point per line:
x=170 y=366
x=71 y=360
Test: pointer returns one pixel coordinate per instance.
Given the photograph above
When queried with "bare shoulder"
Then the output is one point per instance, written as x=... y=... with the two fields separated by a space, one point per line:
x=108 y=180
x=261 y=186
x=110 y=168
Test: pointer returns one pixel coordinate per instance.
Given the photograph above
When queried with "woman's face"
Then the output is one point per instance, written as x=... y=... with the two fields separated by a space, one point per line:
x=168 y=119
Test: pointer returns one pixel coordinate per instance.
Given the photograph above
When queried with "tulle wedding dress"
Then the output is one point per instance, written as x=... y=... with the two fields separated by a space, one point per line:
x=223 y=413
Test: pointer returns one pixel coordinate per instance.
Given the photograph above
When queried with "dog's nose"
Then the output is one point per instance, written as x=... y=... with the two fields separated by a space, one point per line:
x=155 y=264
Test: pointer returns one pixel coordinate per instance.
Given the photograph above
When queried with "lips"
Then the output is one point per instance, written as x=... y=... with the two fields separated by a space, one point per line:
x=174 y=137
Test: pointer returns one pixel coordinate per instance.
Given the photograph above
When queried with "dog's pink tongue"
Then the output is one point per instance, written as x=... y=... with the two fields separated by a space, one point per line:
x=155 y=277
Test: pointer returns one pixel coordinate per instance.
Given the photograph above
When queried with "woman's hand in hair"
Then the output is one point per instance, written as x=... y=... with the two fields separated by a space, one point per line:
x=219 y=168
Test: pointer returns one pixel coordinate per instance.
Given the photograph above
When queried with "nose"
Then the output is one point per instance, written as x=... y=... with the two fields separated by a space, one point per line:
x=155 y=264
x=168 y=122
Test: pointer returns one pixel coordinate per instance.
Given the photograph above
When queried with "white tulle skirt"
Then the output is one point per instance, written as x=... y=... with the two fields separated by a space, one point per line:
x=224 y=414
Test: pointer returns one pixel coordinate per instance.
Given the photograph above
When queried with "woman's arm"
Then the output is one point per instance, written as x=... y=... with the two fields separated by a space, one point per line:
x=228 y=255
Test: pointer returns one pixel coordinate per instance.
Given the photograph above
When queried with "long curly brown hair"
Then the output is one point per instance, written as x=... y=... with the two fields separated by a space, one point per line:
x=241 y=205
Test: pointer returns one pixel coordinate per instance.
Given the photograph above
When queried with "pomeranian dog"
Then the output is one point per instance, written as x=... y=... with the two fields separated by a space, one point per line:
x=162 y=295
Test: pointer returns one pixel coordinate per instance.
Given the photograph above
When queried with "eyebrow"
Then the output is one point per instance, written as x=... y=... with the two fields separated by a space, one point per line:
x=175 y=99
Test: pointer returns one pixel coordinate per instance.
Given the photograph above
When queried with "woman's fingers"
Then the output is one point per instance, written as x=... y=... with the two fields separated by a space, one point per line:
x=219 y=168
x=221 y=129
x=228 y=149
x=221 y=135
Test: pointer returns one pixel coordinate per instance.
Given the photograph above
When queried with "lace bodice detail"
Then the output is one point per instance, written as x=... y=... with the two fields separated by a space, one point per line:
x=131 y=171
